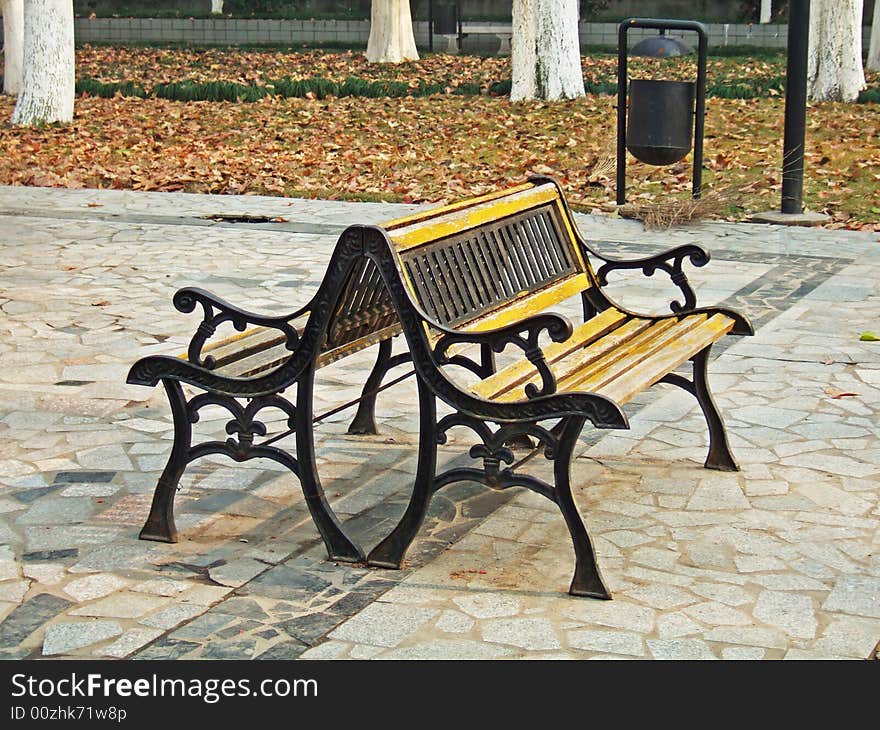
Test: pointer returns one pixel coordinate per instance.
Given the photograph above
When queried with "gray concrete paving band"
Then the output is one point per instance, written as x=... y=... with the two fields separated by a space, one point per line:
x=777 y=561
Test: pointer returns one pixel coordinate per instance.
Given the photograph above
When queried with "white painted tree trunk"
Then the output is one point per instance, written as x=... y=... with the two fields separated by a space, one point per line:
x=834 y=71
x=391 y=33
x=216 y=7
x=545 y=50
x=13 y=40
x=48 y=82
x=874 y=48
x=766 y=11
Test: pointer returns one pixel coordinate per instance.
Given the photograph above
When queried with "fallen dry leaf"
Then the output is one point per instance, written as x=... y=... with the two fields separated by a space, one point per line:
x=839 y=393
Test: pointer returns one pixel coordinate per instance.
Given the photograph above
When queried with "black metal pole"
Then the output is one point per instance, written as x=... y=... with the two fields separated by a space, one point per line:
x=430 y=26
x=795 y=107
x=622 y=52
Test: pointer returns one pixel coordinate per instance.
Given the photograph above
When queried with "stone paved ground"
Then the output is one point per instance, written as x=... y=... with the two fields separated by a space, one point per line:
x=778 y=561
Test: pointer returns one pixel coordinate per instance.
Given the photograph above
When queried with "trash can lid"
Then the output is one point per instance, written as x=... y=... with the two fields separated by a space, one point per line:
x=660 y=45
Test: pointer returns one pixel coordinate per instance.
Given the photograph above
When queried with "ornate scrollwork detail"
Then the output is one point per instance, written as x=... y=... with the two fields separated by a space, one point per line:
x=522 y=334
x=244 y=421
x=669 y=261
x=493 y=450
x=216 y=311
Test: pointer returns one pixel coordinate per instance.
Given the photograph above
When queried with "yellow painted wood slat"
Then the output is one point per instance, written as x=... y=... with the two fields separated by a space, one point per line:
x=452 y=207
x=623 y=388
x=595 y=355
x=527 y=304
x=436 y=228
x=521 y=372
x=650 y=343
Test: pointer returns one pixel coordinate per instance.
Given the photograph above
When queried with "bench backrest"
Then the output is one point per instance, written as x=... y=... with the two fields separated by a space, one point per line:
x=475 y=264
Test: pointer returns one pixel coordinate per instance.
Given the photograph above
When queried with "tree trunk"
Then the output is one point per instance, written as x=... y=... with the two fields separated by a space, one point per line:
x=874 y=48
x=13 y=40
x=766 y=11
x=391 y=33
x=216 y=7
x=48 y=82
x=835 y=71
x=545 y=50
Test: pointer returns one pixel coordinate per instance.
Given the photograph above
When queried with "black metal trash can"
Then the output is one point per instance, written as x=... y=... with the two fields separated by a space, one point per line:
x=446 y=18
x=660 y=122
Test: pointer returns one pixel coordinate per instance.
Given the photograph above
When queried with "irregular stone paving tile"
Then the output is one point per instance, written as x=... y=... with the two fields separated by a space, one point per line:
x=94 y=586
x=327 y=650
x=449 y=649
x=59 y=511
x=229 y=650
x=162 y=587
x=288 y=649
x=47 y=574
x=743 y=653
x=130 y=641
x=806 y=655
x=122 y=604
x=618 y=614
x=364 y=651
x=172 y=616
x=166 y=649
x=727 y=594
x=856 y=595
x=65 y=638
x=660 y=596
x=680 y=649
x=676 y=625
x=202 y=627
x=117 y=557
x=850 y=637
x=486 y=605
x=713 y=613
x=526 y=633
x=454 y=622
x=14 y=591
x=383 y=624
x=283 y=581
x=29 y=616
x=792 y=613
x=236 y=573
x=748 y=636
x=607 y=642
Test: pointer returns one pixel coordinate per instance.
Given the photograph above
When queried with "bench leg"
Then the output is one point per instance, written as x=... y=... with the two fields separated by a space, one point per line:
x=160 y=522
x=587 y=580
x=338 y=546
x=389 y=553
x=720 y=456
x=364 y=421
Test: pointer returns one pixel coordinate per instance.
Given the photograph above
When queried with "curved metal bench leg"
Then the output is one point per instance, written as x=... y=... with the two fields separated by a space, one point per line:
x=587 y=580
x=364 y=421
x=719 y=456
x=389 y=553
x=160 y=522
x=339 y=546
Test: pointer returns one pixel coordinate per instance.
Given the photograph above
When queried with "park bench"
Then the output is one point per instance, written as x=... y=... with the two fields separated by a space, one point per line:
x=462 y=283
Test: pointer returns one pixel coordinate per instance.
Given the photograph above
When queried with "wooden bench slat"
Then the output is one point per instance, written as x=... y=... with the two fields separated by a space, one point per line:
x=631 y=382
x=522 y=372
x=650 y=342
x=599 y=353
x=524 y=304
x=463 y=219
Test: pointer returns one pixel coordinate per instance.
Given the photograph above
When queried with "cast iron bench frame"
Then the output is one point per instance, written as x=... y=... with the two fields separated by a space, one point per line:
x=473 y=275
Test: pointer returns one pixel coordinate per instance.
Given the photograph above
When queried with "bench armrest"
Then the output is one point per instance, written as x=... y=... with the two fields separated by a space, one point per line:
x=523 y=334
x=669 y=261
x=217 y=311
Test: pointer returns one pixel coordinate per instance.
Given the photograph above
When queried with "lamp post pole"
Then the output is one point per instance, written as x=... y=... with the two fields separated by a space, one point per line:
x=795 y=107
x=791 y=212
